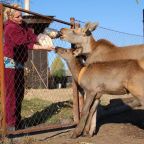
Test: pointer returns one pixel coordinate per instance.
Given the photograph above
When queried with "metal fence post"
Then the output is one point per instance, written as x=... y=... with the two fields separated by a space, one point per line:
x=143 y=25
x=76 y=112
x=81 y=97
x=2 y=94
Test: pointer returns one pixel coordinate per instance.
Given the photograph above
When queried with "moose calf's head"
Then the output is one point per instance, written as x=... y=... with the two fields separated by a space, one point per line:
x=79 y=36
x=66 y=54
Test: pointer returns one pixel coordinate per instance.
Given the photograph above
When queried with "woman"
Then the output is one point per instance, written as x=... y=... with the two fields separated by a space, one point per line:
x=18 y=38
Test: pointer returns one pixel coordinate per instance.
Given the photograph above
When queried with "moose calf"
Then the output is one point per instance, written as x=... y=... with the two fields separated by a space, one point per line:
x=115 y=77
x=100 y=50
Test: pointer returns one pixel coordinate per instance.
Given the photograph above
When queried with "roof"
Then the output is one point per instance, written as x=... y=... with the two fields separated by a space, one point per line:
x=37 y=23
x=31 y=19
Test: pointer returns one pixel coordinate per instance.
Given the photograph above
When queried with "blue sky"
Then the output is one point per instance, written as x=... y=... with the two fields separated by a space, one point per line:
x=121 y=15
x=125 y=16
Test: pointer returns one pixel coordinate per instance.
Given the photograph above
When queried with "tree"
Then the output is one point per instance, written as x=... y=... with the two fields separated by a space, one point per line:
x=58 y=68
x=58 y=73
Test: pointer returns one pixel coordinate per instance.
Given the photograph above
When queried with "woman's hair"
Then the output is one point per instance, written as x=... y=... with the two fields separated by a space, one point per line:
x=9 y=12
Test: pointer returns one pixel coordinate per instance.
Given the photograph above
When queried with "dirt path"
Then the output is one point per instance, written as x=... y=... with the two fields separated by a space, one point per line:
x=124 y=128
x=53 y=95
x=59 y=95
x=108 y=134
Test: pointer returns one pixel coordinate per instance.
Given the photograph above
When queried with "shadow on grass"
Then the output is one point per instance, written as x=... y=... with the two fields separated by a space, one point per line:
x=44 y=115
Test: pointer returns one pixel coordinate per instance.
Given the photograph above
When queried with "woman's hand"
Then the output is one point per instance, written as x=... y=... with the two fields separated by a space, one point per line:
x=50 y=48
x=40 y=47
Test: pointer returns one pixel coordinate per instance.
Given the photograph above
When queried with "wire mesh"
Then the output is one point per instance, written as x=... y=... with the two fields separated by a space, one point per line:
x=34 y=95
x=41 y=93
x=55 y=93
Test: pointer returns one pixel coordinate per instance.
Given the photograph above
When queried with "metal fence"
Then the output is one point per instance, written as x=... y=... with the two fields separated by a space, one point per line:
x=48 y=100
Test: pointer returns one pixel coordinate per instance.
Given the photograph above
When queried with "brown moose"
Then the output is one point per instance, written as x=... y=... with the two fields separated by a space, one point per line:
x=115 y=77
x=100 y=50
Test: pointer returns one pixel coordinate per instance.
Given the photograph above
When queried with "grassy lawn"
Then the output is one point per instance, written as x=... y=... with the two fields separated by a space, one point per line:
x=36 y=111
x=29 y=107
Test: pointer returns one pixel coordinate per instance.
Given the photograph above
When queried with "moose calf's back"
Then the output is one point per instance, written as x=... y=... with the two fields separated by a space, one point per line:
x=114 y=75
x=103 y=52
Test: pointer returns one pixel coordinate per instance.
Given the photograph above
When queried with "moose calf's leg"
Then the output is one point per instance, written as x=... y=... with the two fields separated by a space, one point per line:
x=136 y=88
x=134 y=103
x=91 y=122
x=85 y=111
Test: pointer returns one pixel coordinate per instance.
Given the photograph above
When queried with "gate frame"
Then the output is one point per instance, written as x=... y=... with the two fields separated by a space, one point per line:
x=42 y=127
x=3 y=112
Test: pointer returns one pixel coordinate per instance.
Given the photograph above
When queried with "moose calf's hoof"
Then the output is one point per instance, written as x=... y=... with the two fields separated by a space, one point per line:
x=74 y=135
x=86 y=134
x=90 y=134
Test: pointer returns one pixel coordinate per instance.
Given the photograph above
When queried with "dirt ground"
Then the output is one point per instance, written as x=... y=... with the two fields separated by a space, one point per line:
x=122 y=128
x=52 y=95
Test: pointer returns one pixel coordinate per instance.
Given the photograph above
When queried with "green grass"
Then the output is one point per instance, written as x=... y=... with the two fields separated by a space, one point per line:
x=36 y=111
x=34 y=105
x=64 y=114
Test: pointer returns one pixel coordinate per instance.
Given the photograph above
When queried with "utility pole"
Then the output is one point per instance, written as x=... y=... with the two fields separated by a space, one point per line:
x=27 y=5
x=143 y=25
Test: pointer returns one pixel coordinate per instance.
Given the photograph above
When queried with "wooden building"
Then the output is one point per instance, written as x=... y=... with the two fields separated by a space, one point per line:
x=38 y=62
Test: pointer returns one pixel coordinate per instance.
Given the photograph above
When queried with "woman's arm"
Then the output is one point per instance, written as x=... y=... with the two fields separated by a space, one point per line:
x=18 y=36
x=45 y=48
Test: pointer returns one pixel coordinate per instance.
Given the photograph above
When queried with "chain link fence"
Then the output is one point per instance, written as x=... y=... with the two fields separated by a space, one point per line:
x=48 y=93
x=40 y=95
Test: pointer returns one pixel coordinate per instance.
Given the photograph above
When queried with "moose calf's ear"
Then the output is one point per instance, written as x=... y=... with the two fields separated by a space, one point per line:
x=93 y=26
x=77 y=51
